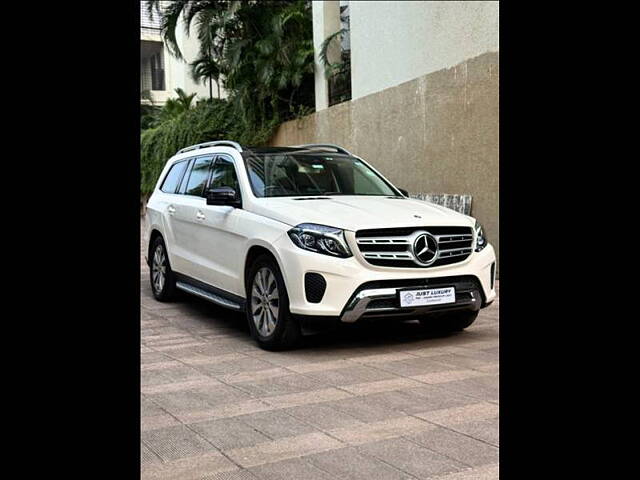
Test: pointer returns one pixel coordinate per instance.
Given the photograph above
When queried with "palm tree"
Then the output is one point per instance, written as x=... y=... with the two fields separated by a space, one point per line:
x=184 y=101
x=206 y=67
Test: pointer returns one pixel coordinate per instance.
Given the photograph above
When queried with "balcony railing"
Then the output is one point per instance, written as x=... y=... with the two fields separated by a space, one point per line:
x=146 y=22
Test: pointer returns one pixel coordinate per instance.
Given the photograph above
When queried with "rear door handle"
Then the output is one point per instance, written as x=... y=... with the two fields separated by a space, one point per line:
x=171 y=210
x=200 y=215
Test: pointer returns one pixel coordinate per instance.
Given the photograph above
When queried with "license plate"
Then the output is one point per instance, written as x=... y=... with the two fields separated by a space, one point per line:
x=430 y=296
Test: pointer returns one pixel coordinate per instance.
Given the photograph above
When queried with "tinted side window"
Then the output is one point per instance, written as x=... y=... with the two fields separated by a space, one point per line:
x=185 y=178
x=224 y=175
x=198 y=176
x=173 y=177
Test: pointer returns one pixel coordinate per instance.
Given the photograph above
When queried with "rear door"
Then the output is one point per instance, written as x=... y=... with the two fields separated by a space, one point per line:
x=168 y=203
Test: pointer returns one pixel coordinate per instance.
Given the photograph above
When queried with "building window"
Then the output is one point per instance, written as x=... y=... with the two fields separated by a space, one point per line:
x=157 y=72
x=340 y=82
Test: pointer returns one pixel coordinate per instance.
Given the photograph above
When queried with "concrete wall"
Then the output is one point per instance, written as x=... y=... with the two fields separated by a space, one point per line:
x=435 y=134
x=394 y=42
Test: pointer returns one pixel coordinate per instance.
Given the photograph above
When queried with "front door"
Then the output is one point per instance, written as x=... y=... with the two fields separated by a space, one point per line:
x=219 y=242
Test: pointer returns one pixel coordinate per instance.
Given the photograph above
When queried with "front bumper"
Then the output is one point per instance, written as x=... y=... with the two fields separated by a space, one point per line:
x=384 y=302
x=345 y=276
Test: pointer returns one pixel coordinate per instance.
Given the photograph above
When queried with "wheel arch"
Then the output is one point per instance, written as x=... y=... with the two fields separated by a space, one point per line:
x=254 y=252
x=153 y=234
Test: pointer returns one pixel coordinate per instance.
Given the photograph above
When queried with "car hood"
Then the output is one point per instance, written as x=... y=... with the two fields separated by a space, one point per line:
x=359 y=212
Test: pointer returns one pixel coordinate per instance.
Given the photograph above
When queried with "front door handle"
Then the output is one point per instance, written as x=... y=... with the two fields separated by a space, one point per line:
x=200 y=215
x=171 y=210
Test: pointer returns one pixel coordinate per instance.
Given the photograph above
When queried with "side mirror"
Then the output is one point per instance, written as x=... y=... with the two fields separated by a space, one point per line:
x=404 y=192
x=222 y=196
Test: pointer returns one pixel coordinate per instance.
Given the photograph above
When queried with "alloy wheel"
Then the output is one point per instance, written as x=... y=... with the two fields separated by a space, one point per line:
x=265 y=301
x=159 y=269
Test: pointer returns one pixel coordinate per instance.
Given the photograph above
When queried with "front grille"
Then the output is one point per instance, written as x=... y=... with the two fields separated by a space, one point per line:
x=393 y=247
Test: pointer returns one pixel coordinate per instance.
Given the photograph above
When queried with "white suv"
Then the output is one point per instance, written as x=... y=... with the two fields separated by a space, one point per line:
x=302 y=238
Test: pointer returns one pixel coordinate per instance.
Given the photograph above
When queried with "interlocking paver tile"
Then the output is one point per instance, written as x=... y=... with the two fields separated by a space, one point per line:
x=448 y=376
x=457 y=446
x=148 y=408
x=297 y=468
x=321 y=366
x=280 y=385
x=485 y=430
x=457 y=415
x=226 y=434
x=435 y=397
x=351 y=464
x=188 y=468
x=415 y=366
x=412 y=458
x=237 y=365
x=282 y=449
x=147 y=456
x=484 y=388
x=155 y=422
x=255 y=376
x=233 y=475
x=359 y=408
x=167 y=386
x=201 y=397
x=487 y=472
x=305 y=398
x=322 y=416
x=350 y=376
x=381 y=386
x=176 y=442
x=371 y=432
x=228 y=410
x=277 y=424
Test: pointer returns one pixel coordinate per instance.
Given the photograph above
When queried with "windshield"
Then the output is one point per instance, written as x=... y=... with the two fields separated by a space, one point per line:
x=285 y=174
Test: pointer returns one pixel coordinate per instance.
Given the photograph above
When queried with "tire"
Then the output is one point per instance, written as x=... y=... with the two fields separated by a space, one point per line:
x=273 y=327
x=449 y=322
x=163 y=281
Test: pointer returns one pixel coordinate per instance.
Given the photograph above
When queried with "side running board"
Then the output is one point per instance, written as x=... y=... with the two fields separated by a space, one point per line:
x=212 y=297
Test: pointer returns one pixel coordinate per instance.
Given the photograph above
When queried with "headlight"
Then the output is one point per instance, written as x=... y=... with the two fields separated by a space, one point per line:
x=481 y=239
x=320 y=239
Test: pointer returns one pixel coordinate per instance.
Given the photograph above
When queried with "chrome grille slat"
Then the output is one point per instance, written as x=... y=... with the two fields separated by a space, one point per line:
x=402 y=255
x=379 y=240
x=449 y=253
x=396 y=250
x=453 y=238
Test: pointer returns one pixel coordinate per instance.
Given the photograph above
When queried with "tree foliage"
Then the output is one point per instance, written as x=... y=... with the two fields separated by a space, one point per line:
x=208 y=120
x=263 y=51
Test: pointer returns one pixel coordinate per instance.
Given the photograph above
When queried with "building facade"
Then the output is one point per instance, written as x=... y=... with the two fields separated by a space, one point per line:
x=389 y=43
x=160 y=72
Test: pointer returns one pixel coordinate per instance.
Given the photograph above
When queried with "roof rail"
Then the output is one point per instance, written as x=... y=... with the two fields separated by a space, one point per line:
x=227 y=143
x=338 y=148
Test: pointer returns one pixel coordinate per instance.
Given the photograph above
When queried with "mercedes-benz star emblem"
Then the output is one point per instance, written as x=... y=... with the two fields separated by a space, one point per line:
x=425 y=248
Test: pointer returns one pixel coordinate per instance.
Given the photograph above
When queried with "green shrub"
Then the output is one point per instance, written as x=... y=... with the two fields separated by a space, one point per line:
x=209 y=120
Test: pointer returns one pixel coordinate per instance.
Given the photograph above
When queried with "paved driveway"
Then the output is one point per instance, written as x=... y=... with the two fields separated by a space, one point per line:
x=375 y=402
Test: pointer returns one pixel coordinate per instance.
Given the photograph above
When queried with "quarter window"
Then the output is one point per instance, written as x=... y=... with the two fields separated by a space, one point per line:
x=198 y=176
x=173 y=177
